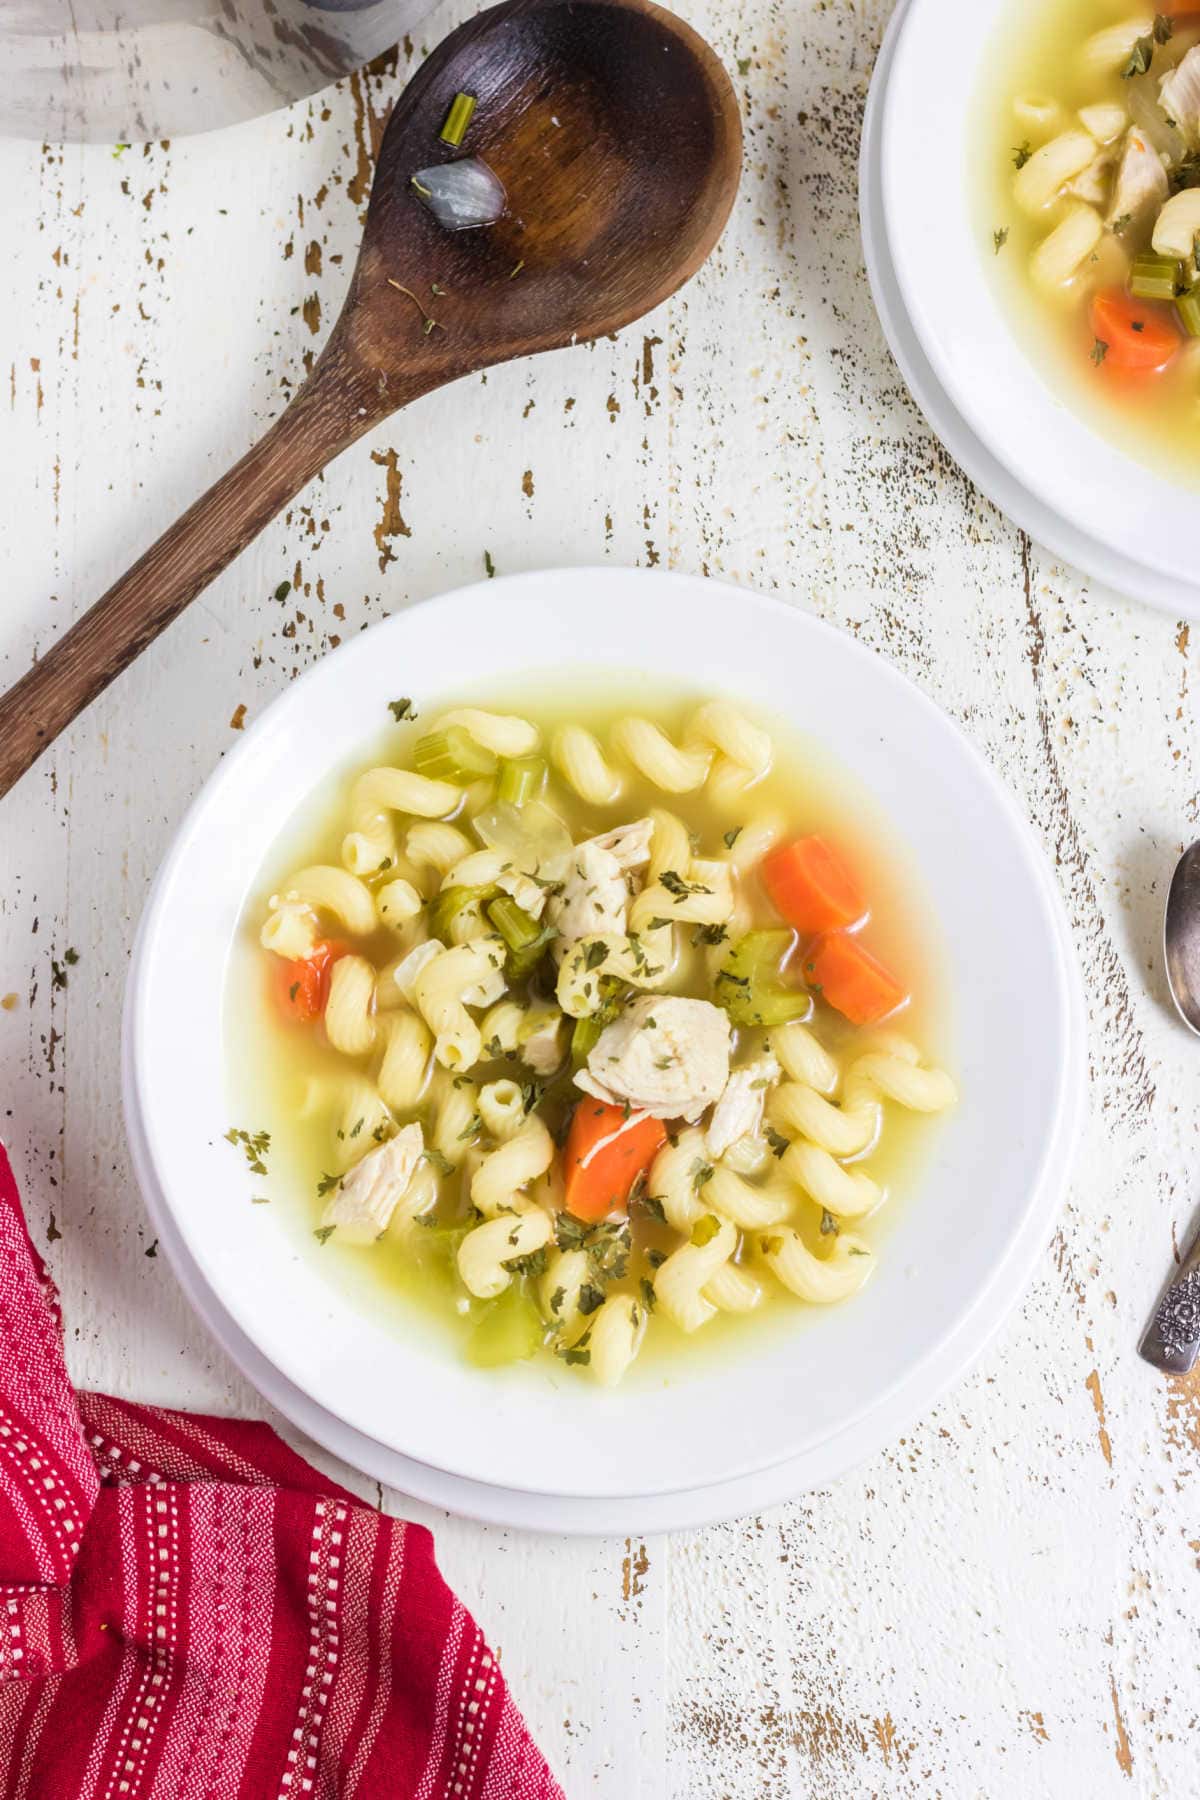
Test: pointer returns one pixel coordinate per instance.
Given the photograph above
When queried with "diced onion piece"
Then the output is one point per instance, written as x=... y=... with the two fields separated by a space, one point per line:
x=533 y=836
x=461 y=195
x=1177 y=224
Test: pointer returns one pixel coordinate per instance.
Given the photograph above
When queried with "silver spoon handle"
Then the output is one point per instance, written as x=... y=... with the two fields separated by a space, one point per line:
x=1171 y=1341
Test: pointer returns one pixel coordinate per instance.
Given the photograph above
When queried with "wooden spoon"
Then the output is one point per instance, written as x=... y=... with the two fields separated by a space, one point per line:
x=616 y=134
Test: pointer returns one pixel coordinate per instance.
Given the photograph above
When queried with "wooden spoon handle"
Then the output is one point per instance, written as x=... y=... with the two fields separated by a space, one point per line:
x=330 y=412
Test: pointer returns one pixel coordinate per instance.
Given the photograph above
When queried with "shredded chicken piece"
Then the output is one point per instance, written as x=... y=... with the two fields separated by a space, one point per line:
x=666 y=1056
x=543 y=1049
x=1141 y=179
x=594 y=898
x=1179 y=95
x=362 y=1206
x=630 y=844
x=739 y=1111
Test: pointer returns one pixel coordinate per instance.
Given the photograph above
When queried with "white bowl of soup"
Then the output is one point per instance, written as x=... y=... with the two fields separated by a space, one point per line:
x=601 y=1032
x=1038 y=200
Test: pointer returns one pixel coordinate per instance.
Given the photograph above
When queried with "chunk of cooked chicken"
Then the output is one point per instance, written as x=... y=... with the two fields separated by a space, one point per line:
x=666 y=1056
x=362 y=1206
x=543 y=1048
x=630 y=844
x=1179 y=95
x=739 y=1111
x=594 y=898
x=1141 y=180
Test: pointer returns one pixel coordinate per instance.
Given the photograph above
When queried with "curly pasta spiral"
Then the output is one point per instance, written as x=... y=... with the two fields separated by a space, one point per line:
x=330 y=890
x=442 y=989
x=580 y=760
x=502 y=1109
x=662 y=763
x=349 y=1010
x=375 y=796
x=503 y=1172
x=455 y=1115
x=821 y=1280
x=743 y=751
x=616 y=1337
x=846 y=1193
x=404 y=1070
x=679 y=1283
x=560 y=1288
x=432 y=844
x=485 y=1252
x=502 y=733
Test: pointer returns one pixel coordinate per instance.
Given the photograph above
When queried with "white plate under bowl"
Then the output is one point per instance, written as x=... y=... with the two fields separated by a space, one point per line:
x=1059 y=535
x=640 y=1514
x=929 y=155
x=536 y=1426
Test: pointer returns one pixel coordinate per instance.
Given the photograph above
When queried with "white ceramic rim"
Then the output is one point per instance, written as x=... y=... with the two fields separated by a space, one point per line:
x=568 y=1516
x=1063 y=539
x=684 y=1463
x=933 y=235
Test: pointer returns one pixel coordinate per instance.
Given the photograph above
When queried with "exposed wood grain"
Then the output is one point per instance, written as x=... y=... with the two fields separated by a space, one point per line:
x=991 y=1607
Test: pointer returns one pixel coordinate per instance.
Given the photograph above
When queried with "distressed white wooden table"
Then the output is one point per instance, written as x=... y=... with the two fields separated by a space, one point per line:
x=1004 y=1602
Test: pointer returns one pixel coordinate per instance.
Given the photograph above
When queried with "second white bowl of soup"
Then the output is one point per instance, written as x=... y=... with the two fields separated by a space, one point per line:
x=592 y=1082
x=1037 y=195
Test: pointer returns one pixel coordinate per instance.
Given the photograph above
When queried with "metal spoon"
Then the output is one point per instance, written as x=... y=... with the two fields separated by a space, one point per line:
x=1172 y=1338
x=616 y=134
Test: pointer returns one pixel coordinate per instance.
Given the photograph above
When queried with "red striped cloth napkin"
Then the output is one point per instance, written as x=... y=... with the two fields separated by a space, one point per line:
x=189 y=1612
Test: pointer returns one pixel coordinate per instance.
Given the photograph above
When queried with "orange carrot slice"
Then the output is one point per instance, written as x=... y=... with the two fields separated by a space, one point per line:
x=604 y=1155
x=811 y=888
x=852 y=980
x=1137 y=334
x=303 y=985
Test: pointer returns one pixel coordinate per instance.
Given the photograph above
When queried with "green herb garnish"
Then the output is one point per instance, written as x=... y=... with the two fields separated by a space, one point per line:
x=323 y=1233
x=327 y=1184
x=401 y=709
x=999 y=239
x=1099 y=351
x=1021 y=154
x=254 y=1145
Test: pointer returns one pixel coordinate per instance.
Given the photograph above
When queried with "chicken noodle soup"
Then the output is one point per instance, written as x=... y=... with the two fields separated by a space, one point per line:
x=597 y=1028
x=1093 y=210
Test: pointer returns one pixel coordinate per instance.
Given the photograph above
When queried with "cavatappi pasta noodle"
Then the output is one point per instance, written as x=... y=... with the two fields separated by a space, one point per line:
x=1093 y=209
x=594 y=1030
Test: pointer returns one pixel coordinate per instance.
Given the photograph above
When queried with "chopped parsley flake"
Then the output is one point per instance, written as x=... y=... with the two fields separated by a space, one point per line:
x=323 y=1233
x=1099 y=351
x=401 y=709
x=999 y=239
x=1021 y=154
x=327 y=1184
x=254 y=1146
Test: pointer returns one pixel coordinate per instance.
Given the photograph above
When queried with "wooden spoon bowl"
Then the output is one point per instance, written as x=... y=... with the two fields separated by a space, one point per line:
x=616 y=134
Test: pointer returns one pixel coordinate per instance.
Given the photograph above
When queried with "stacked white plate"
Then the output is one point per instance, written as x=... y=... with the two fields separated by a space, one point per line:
x=533 y=1447
x=1020 y=442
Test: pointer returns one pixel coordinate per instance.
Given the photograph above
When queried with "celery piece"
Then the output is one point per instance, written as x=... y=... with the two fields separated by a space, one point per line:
x=1187 y=305
x=509 y=1330
x=1154 y=277
x=750 y=986
x=447 y=905
x=513 y=923
x=457 y=119
x=584 y=1039
x=522 y=779
x=452 y=755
